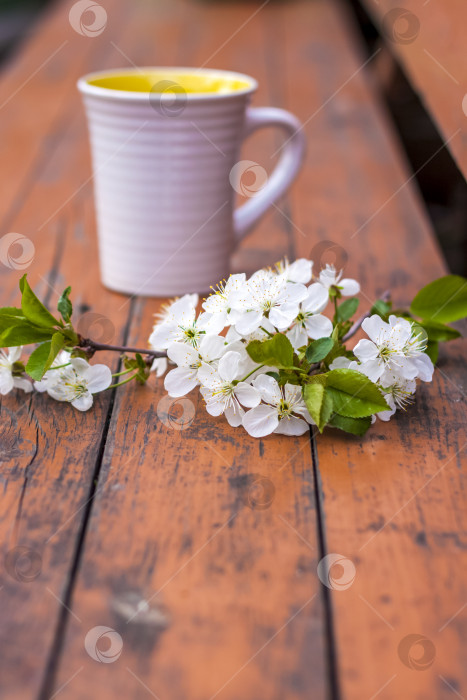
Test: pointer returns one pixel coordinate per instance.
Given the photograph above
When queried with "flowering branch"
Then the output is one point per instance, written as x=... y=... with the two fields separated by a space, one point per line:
x=263 y=351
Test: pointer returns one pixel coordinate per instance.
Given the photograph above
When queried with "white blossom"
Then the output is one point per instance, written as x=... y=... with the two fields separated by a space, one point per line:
x=224 y=392
x=330 y=278
x=226 y=294
x=267 y=295
x=184 y=377
x=7 y=380
x=76 y=383
x=283 y=411
x=310 y=323
x=182 y=326
x=395 y=347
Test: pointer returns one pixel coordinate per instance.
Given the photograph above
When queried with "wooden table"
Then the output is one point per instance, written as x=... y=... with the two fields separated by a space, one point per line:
x=105 y=510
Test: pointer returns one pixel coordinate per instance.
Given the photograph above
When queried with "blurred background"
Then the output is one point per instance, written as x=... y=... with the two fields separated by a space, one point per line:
x=442 y=186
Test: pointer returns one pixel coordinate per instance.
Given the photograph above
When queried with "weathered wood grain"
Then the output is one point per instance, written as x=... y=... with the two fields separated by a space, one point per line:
x=394 y=503
x=47 y=475
x=427 y=40
x=218 y=532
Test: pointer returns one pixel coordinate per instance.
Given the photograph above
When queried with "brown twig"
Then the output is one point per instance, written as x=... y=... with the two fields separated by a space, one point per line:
x=91 y=345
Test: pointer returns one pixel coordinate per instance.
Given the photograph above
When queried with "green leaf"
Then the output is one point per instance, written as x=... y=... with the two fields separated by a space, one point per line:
x=381 y=308
x=11 y=311
x=353 y=394
x=439 y=331
x=347 y=309
x=319 y=349
x=43 y=356
x=432 y=350
x=444 y=300
x=319 y=404
x=64 y=305
x=274 y=375
x=33 y=309
x=356 y=426
x=276 y=351
x=23 y=334
x=9 y=316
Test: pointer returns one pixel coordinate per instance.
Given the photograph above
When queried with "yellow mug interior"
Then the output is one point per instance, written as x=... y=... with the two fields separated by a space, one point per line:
x=175 y=82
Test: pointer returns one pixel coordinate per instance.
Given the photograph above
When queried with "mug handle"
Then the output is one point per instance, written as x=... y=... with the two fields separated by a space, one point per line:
x=290 y=161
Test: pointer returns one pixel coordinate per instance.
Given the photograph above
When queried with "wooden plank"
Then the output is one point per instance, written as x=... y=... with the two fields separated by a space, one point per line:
x=393 y=503
x=48 y=458
x=427 y=40
x=236 y=583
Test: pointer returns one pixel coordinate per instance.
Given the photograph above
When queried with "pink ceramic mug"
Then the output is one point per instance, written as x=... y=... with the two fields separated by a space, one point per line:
x=165 y=145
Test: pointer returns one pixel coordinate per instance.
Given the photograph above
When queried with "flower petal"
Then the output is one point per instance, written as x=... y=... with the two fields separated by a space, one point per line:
x=268 y=388
x=348 y=287
x=234 y=414
x=292 y=426
x=247 y=394
x=84 y=402
x=318 y=326
x=228 y=365
x=79 y=364
x=99 y=377
x=316 y=299
x=180 y=381
x=212 y=347
x=374 y=327
x=6 y=382
x=211 y=323
x=365 y=350
x=260 y=421
x=282 y=316
x=249 y=322
x=182 y=354
x=22 y=383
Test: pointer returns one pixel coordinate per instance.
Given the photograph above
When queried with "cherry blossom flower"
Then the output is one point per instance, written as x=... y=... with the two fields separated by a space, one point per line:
x=220 y=302
x=283 y=410
x=395 y=347
x=329 y=278
x=267 y=295
x=397 y=391
x=182 y=326
x=184 y=377
x=8 y=380
x=224 y=392
x=310 y=323
x=76 y=383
